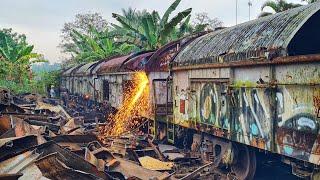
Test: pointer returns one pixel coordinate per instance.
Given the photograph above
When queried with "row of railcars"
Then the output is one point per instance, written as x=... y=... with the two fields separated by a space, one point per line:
x=231 y=93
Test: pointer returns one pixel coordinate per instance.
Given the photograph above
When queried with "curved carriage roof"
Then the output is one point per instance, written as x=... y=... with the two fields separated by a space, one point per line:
x=112 y=65
x=84 y=70
x=70 y=71
x=136 y=62
x=293 y=32
x=161 y=58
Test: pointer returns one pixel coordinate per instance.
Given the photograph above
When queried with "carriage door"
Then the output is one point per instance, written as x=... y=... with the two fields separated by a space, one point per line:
x=162 y=105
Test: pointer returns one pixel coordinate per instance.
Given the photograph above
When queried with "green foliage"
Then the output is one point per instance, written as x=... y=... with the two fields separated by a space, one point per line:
x=310 y=1
x=277 y=6
x=83 y=24
x=46 y=79
x=16 y=58
x=98 y=46
x=148 y=30
x=89 y=38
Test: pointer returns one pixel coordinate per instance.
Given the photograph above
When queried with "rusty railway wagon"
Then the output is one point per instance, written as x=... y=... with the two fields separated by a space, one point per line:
x=251 y=88
x=231 y=94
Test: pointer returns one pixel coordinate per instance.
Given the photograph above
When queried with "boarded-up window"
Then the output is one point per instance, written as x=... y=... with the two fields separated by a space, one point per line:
x=106 y=90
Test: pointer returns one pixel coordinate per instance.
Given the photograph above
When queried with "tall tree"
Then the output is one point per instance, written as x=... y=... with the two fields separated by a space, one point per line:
x=148 y=30
x=97 y=46
x=277 y=6
x=17 y=56
x=203 y=19
x=82 y=24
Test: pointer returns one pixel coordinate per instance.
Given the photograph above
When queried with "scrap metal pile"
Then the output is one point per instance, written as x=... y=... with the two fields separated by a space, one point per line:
x=41 y=139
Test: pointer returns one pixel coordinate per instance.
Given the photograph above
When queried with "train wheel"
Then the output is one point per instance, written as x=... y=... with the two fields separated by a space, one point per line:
x=244 y=164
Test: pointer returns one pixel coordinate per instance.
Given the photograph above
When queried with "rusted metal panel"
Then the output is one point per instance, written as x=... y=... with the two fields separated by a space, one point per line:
x=52 y=168
x=298 y=111
x=84 y=70
x=18 y=163
x=246 y=76
x=260 y=106
x=180 y=94
x=94 y=68
x=298 y=73
x=209 y=73
x=112 y=65
x=10 y=147
x=160 y=60
x=259 y=62
x=136 y=63
x=266 y=37
x=71 y=71
x=68 y=158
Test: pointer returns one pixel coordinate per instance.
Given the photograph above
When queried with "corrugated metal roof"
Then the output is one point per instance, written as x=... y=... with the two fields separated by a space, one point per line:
x=84 y=69
x=112 y=64
x=160 y=60
x=71 y=70
x=259 y=38
x=137 y=62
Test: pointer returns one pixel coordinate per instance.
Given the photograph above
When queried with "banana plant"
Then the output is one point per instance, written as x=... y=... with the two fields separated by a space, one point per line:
x=17 y=57
x=95 y=47
x=149 y=30
x=278 y=6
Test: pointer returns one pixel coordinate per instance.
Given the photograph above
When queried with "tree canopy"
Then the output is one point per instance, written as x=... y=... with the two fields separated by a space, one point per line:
x=16 y=58
x=280 y=5
x=90 y=37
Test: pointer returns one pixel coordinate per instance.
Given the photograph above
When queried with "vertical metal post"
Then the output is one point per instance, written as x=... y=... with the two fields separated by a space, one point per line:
x=249 y=4
x=273 y=108
x=236 y=12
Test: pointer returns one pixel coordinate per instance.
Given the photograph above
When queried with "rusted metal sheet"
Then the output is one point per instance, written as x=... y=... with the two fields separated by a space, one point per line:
x=95 y=68
x=68 y=158
x=266 y=37
x=52 y=168
x=271 y=107
x=9 y=147
x=74 y=142
x=130 y=169
x=18 y=163
x=70 y=71
x=247 y=63
x=5 y=124
x=84 y=70
x=160 y=60
x=91 y=158
x=112 y=65
x=136 y=63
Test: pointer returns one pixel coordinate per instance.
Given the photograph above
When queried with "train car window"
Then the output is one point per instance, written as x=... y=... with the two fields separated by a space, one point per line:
x=106 y=90
x=160 y=92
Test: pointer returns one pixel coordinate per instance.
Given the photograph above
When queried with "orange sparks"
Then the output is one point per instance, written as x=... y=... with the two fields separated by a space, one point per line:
x=135 y=104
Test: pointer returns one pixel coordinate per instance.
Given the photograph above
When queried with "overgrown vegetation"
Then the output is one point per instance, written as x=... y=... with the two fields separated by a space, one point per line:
x=280 y=5
x=90 y=37
x=16 y=58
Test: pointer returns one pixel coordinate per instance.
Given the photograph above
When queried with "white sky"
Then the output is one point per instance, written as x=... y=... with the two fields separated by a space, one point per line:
x=42 y=20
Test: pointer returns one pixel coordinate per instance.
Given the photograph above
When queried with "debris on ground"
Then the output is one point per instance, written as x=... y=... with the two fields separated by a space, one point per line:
x=42 y=139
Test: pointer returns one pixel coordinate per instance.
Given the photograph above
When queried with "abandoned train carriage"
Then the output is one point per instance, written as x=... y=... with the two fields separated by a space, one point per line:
x=84 y=80
x=115 y=75
x=157 y=68
x=258 y=84
x=68 y=79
